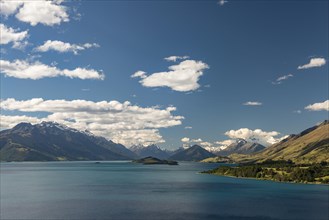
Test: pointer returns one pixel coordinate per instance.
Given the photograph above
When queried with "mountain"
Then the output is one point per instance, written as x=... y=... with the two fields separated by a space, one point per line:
x=51 y=141
x=172 y=152
x=241 y=146
x=149 y=151
x=194 y=153
x=309 y=146
x=110 y=145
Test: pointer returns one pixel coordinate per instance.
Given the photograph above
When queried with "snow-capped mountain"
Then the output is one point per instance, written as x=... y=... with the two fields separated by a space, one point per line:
x=241 y=146
x=150 y=150
x=54 y=141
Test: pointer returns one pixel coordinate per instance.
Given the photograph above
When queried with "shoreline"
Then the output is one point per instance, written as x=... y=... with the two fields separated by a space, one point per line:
x=261 y=179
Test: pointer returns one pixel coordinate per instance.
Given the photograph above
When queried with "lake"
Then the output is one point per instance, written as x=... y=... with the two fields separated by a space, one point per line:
x=123 y=190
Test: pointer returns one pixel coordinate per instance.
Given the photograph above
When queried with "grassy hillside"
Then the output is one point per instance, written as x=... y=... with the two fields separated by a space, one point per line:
x=218 y=159
x=310 y=146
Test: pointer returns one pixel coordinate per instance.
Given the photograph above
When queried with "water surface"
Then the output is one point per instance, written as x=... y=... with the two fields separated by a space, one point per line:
x=123 y=190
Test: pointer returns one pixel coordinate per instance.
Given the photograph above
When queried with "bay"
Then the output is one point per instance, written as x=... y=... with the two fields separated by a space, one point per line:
x=124 y=190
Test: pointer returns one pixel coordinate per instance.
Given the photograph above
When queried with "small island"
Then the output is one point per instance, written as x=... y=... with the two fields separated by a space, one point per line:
x=154 y=160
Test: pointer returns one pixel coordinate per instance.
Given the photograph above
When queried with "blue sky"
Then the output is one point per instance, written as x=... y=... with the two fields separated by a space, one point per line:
x=270 y=54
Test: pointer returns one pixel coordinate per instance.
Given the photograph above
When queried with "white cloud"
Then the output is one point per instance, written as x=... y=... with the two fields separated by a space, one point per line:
x=27 y=70
x=188 y=127
x=63 y=47
x=10 y=35
x=262 y=137
x=199 y=140
x=212 y=147
x=253 y=103
x=175 y=58
x=10 y=121
x=225 y=143
x=139 y=74
x=20 y=45
x=282 y=78
x=188 y=140
x=218 y=145
x=206 y=144
x=321 y=106
x=256 y=136
x=44 y=12
x=8 y=7
x=222 y=2
x=47 y=12
x=121 y=122
x=314 y=62
x=182 y=77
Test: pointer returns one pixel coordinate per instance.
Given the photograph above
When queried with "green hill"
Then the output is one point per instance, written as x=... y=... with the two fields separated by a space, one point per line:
x=217 y=159
x=310 y=146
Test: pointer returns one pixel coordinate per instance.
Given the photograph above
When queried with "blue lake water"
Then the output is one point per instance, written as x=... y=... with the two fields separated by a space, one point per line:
x=123 y=190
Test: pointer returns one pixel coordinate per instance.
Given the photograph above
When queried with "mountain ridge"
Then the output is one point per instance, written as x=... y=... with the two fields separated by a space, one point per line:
x=194 y=153
x=149 y=151
x=309 y=146
x=53 y=141
x=241 y=146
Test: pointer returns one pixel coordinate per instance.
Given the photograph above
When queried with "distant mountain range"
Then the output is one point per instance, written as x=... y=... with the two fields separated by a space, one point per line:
x=241 y=146
x=309 y=146
x=194 y=153
x=149 y=151
x=50 y=141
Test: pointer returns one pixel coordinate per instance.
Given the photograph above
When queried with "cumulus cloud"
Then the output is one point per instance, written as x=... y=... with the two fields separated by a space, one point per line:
x=209 y=146
x=10 y=35
x=225 y=143
x=47 y=12
x=121 y=122
x=314 y=62
x=182 y=77
x=253 y=103
x=257 y=136
x=23 y=69
x=321 y=106
x=206 y=144
x=12 y=120
x=217 y=146
x=9 y=7
x=64 y=47
x=199 y=140
x=175 y=58
x=187 y=142
x=282 y=78
x=262 y=137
